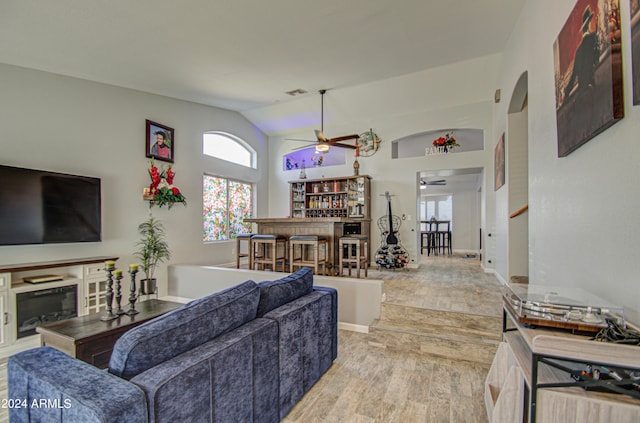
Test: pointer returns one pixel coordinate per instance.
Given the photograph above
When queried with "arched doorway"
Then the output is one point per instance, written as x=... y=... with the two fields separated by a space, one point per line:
x=518 y=177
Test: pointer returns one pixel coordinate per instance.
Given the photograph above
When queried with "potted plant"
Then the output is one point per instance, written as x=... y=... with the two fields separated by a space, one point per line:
x=152 y=250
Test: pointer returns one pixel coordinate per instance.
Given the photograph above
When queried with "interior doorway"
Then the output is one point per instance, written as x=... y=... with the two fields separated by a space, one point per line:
x=451 y=194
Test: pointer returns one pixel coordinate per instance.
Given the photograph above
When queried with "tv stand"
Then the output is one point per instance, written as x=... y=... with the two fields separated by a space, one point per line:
x=86 y=273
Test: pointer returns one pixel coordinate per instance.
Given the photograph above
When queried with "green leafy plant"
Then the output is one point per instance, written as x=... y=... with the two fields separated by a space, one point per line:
x=152 y=247
x=162 y=189
x=169 y=196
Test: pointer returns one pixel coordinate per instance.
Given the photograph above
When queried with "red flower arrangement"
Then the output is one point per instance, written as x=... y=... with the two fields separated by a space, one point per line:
x=161 y=189
x=448 y=142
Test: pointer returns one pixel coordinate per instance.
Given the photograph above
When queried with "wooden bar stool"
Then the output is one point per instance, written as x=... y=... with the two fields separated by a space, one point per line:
x=264 y=251
x=311 y=255
x=353 y=251
x=239 y=239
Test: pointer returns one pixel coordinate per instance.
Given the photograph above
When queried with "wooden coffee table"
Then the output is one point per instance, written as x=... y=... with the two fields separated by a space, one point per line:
x=90 y=339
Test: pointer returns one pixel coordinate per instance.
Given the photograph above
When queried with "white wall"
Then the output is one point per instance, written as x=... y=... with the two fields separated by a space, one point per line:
x=455 y=96
x=359 y=299
x=582 y=208
x=74 y=126
x=466 y=217
x=518 y=183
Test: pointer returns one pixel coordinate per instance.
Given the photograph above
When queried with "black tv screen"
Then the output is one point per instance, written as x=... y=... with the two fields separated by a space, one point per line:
x=40 y=207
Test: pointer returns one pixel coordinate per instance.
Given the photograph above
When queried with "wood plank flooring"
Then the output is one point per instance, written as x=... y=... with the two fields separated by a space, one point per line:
x=373 y=384
x=375 y=379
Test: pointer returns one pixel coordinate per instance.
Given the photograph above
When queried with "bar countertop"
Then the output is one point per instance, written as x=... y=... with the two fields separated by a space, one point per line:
x=305 y=219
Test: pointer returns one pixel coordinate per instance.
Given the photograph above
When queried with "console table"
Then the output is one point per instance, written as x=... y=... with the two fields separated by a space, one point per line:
x=539 y=362
x=91 y=340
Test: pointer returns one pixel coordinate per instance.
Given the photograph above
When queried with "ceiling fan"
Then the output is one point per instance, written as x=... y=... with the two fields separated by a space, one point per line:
x=323 y=143
x=436 y=182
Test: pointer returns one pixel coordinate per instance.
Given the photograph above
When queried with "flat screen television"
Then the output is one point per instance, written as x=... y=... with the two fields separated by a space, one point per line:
x=40 y=207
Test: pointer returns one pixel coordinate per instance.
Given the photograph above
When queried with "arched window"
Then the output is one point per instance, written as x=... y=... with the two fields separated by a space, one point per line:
x=229 y=148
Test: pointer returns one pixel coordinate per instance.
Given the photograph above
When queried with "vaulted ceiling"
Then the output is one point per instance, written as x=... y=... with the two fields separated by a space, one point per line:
x=245 y=54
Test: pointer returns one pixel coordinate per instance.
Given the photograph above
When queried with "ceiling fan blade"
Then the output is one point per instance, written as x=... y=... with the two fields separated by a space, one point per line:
x=320 y=136
x=436 y=182
x=335 y=144
x=344 y=138
x=299 y=140
x=302 y=147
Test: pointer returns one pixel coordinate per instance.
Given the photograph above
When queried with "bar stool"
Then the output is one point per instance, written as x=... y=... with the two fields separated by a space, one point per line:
x=431 y=238
x=239 y=239
x=264 y=251
x=444 y=237
x=428 y=241
x=356 y=253
x=309 y=252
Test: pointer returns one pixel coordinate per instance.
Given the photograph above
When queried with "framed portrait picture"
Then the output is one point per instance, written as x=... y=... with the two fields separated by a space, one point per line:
x=588 y=73
x=499 y=163
x=160 y=142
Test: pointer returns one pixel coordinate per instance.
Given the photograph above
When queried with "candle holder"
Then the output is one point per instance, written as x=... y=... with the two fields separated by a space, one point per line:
x=119 y=310
x=132 y=292
x=109 y=295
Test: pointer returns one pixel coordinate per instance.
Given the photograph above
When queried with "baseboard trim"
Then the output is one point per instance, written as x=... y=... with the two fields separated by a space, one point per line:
x=501 y=279
x=182 y=300
x=353 y=328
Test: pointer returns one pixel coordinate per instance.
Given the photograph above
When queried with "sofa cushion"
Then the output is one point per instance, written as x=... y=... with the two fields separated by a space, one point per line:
x=182 y=329
x=273 y=294
x=232 y=378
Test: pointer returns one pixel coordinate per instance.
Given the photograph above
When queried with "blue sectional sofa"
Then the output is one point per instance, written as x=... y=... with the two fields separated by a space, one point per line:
x=245 y=354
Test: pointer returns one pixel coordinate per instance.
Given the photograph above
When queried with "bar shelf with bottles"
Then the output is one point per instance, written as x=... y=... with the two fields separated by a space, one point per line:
x=345 y=197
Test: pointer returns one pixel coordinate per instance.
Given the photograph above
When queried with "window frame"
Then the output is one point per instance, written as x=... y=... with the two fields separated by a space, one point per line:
x=239 y=141
x=227 y=209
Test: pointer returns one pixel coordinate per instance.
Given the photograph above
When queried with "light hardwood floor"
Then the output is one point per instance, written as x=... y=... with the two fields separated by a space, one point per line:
x=396 y=373
x=377 y=378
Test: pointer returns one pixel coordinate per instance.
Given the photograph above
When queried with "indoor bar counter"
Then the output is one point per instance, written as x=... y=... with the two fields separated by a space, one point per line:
x=329 y=207
x=331 y=227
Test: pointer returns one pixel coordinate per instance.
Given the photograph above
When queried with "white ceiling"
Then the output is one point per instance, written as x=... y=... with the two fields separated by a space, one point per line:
x=244 y=54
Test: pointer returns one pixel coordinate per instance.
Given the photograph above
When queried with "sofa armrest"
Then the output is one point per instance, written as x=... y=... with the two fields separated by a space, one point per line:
x=334 y=316
x=47 y=385
x=306 y=343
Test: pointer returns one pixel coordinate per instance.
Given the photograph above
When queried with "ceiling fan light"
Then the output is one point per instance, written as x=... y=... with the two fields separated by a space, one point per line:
x=322 y=147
